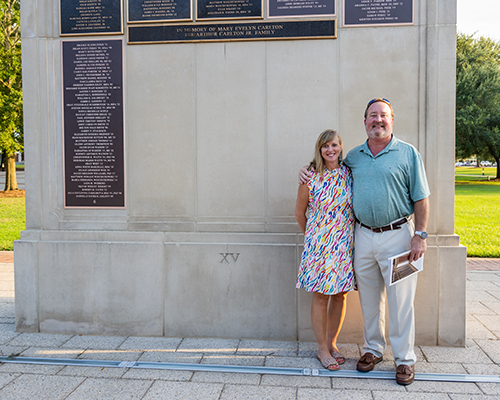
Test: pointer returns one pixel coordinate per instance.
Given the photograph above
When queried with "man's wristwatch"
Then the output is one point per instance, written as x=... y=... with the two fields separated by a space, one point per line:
x=422 y=234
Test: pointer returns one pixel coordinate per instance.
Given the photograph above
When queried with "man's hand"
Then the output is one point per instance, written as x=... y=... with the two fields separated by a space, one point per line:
x=304 y=175
x=418 y=247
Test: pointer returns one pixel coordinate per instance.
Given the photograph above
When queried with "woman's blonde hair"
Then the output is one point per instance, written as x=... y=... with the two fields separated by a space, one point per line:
x=318 y=163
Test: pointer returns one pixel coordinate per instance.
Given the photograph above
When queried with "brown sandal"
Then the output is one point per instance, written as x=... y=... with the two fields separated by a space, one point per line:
x=329 y=363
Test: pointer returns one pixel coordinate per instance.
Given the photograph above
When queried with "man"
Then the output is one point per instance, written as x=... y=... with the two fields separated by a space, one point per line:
x=389 y=186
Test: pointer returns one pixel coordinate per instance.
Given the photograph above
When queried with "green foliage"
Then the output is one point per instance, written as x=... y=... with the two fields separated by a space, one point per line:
x=12 y=221
x=478 y=98
x=11 y=96
x=477 y=220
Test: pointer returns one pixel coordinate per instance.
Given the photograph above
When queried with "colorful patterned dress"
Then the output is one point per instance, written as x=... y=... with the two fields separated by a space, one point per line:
x=326 y=265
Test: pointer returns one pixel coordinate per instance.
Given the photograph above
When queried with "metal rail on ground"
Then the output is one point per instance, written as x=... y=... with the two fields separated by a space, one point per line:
x=249 y=369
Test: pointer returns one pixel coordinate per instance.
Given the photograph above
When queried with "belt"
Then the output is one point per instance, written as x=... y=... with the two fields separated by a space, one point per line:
x=390 y=227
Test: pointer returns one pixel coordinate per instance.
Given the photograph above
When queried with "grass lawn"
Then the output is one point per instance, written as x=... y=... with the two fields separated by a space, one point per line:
x=477 y=216
x=12 y=221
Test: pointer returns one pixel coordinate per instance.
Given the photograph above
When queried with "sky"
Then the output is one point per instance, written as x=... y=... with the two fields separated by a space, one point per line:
x=481 y=16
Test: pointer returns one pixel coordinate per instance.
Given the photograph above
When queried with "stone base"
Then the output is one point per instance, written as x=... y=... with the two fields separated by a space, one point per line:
x=202 y=285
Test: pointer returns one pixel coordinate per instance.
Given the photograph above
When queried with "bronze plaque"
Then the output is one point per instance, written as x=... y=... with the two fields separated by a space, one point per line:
x=270 y=30
x=378 y=12
x=300 y=8
x=93 y=128
x=159 y=10
x=90 y=17
x=228 y=9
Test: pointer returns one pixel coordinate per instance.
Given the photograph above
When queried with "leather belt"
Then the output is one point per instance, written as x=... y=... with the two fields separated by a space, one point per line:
x=390 y=227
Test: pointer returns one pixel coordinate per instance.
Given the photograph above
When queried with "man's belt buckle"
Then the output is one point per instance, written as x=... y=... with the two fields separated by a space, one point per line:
x=391 y=227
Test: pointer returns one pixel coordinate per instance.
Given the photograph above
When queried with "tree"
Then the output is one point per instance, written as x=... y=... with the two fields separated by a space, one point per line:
x=478 y=98
x=493 y=141
x=11 y=96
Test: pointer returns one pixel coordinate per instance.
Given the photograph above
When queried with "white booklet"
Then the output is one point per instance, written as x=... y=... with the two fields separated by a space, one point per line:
x=402 y=268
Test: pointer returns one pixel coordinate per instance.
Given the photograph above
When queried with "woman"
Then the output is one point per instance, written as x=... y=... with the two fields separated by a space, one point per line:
x=324 y=214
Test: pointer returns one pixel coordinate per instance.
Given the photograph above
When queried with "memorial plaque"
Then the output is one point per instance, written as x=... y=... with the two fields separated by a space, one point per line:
x=91 y=17
x=228 y=9
x=276 y=30
x=159 y=10
x=94 y=170
x=300 y=8
x=378 y=12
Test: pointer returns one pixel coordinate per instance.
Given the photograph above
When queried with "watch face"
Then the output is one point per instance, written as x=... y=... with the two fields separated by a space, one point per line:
x=423 y=235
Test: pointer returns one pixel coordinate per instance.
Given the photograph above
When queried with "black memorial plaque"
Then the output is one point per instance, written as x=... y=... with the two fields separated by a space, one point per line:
x=87 y=17
x=325 y=29
x=378 y=12
x=94 y=170
x=300 y=8
x=159 y=10
x=228 y=9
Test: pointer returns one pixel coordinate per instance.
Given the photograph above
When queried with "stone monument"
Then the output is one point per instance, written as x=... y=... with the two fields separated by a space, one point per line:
x=163 y=140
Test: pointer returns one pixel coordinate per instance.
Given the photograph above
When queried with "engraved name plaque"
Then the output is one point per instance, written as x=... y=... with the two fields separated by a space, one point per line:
x=228 y=9
x=93 y=129
x=159 y=10
x=300 y=8
x=378 y=12
x=91 y=17
x=275 y=30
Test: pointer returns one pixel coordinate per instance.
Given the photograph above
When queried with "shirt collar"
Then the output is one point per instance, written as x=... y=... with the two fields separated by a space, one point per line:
x=391 y=146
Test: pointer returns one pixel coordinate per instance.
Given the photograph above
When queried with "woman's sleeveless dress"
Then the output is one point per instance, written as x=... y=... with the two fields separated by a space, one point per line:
x=326 y=265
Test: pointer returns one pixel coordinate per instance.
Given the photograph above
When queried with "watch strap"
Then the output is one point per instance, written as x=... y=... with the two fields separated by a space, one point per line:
x=422 y=234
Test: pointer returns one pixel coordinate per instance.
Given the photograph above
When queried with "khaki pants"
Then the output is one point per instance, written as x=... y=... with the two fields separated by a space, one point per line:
x=371 y=251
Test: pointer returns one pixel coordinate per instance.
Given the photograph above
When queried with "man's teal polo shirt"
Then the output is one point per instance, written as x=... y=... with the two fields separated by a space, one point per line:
x=386 y=186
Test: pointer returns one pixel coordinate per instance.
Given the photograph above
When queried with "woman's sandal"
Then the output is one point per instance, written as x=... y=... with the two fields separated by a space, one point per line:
x=338 y=357
x=329 y=363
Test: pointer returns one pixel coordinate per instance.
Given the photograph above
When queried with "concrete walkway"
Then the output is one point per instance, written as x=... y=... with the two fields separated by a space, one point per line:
x=31 y=381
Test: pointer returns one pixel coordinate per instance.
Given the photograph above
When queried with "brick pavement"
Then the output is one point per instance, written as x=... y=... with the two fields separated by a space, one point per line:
x=6 y=256
x=483 y=264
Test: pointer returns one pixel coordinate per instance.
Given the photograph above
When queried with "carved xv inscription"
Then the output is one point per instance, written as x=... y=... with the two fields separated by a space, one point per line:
x=226 y=260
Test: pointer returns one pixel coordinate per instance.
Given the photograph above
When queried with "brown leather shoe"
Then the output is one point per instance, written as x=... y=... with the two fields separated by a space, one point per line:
x=405 y=374
x=367 y=362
